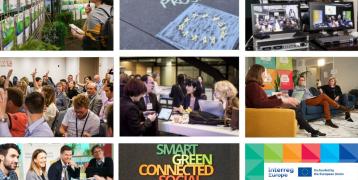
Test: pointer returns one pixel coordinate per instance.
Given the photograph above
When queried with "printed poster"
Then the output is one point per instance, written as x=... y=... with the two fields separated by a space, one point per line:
x=22 y=3
x=2 y=5
x=27 y=24
x=269 y=81
x=267 y=62
x=12 y=4
x=286 y=79
x=168 y=161
x=284 y=63
x=8 y=32
x=301 y=161
x=20 y=28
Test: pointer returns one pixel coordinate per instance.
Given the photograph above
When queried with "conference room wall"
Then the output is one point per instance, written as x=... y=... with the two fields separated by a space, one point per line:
x=59 y=67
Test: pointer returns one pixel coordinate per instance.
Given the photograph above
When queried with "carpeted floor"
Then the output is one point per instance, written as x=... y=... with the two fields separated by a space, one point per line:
x=346 y=129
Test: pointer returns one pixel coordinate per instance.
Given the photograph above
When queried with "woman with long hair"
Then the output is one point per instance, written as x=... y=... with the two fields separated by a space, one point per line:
x=226 y=92
x=257 y=98
x=50 y=107
x=37 y=170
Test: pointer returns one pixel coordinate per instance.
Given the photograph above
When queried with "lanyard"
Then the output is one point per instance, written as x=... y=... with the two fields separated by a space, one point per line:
x=83 y=129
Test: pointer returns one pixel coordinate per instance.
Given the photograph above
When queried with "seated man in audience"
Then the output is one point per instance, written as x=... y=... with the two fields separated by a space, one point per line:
x=108 y=89
x=100 y=165
x=34 y=105
x=95 y=101
x=98 y=82
x=65 y=168
x=149 y=102
x=46 y=80
x=17 y=119
x=321 y=100
x=79 y=121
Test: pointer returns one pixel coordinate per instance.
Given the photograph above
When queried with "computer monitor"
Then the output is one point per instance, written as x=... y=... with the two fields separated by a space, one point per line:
x=275 y=18
x=331 y=16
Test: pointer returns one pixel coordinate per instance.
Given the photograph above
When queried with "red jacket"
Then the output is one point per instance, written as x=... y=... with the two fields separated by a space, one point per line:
x=18 y=124
x=257 y=98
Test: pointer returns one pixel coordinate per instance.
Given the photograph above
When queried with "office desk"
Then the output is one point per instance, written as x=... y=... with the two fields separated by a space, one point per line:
x=195 y=129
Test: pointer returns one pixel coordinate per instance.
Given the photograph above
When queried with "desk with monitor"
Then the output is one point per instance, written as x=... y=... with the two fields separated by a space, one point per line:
x=279 y=27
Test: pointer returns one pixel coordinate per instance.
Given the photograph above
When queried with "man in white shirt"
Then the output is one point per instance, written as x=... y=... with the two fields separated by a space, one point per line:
x=79 y=121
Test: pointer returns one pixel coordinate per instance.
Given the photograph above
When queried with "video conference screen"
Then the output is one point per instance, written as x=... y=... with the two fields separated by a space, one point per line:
x=275 y=18
x=331 y=16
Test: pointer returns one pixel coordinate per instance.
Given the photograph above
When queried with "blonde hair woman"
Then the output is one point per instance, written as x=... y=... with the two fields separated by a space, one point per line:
x=37 y=170
x=226 y=92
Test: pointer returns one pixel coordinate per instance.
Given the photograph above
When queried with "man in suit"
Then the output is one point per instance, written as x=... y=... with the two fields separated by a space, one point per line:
x=99 y=165
x=149 y=102
x=65 y=168
x=95 y=100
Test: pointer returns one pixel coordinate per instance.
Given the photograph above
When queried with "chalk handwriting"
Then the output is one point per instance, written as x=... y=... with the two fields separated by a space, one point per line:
x=176 y=2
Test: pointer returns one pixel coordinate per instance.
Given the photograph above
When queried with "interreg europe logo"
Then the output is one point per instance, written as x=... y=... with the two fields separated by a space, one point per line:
x=304 y=172
x=280 y=172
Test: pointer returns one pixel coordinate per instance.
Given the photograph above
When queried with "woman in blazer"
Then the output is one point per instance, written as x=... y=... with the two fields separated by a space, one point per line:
x=37 y=170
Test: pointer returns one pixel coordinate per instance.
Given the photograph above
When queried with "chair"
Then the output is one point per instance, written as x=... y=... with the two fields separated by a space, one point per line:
x=270 y=122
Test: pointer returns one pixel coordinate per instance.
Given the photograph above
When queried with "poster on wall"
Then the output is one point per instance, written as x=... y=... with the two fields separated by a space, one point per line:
x=22 y=3
x=12 y=4
x=284 y=63
x=286 y=79
x=267 y=62
x=20 y=28
x=269 y=81
x=27 y=24
x=2 y=5
x=8 y=32
x=33 y=19
x=301 y=161
x=186 y=161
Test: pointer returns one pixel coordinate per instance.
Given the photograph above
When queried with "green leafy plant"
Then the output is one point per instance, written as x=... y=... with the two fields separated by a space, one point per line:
x=55 y=33
x=36 y=45
x=297 y=74
x=277 y=83
x=65 y=17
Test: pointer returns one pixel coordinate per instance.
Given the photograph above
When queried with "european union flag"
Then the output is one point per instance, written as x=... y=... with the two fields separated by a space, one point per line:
x=304 y=172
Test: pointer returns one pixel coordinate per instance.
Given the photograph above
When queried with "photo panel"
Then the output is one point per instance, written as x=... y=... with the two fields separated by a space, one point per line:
x=178 y=161
x=183 y=25
x=56 y=161
x=183 y=96
x=57 y=96
x=306 y=97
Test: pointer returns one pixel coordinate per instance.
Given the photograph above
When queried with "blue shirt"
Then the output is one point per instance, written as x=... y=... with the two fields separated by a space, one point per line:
x=307 y=95
x=39 y=128
x=12 y=176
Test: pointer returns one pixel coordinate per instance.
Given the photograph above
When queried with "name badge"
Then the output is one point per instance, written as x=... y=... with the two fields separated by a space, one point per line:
x=149 y=106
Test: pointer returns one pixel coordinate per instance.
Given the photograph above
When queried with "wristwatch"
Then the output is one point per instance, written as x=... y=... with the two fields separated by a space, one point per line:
x=4 y=119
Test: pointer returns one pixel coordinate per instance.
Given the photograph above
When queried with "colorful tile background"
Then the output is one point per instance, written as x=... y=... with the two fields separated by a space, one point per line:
x=258 y=154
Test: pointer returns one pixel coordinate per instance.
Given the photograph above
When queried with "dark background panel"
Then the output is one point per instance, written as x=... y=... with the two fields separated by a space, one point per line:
x=131 y=156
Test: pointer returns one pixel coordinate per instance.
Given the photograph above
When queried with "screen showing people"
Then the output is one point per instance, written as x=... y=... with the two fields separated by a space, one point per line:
x=275 y=18
x=331 y=16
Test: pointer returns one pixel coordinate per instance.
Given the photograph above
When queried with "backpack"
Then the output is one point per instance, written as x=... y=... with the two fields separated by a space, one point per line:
x=106 y=35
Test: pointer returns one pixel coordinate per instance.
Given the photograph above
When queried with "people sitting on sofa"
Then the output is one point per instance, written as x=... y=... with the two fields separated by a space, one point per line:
x=321 y=100
x=257 y=98
x=334 y=92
